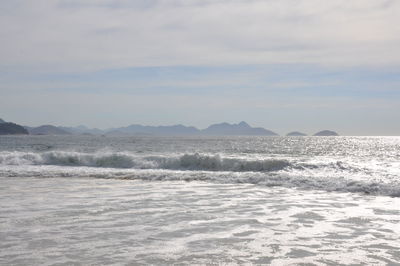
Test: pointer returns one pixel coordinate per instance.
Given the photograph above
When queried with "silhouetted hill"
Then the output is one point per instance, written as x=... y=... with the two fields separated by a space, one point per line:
x=326 y=133
x=295 y=134
x=12 y=129
x=237 y=129
x=47 y=130
x=83 y=130
x=2 y=121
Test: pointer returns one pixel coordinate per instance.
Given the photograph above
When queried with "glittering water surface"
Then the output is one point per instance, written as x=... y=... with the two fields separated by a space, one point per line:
x=93 y=200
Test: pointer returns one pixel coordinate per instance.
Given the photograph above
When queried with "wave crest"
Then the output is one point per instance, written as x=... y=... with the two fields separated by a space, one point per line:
x=216 y=163
x=199 y=162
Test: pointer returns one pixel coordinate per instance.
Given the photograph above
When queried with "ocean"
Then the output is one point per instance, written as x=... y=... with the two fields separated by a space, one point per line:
x=93 y=200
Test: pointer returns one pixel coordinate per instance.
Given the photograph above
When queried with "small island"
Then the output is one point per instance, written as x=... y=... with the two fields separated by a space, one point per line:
x=296 y=134
x=326 y=133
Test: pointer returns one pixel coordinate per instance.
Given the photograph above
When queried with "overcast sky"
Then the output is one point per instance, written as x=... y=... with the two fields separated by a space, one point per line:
x=284 y=65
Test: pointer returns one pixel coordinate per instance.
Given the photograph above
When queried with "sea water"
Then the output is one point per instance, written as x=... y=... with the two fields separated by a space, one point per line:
x=89 y=200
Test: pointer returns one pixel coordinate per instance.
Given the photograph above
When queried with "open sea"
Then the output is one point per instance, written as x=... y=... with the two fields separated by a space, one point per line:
x=92 y=200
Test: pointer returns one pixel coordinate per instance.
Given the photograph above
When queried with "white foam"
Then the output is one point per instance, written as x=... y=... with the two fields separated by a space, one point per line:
x=126 y=160
x=324 y=173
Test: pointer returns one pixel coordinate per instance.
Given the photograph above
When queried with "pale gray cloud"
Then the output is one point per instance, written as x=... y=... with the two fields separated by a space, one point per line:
x=70 y=35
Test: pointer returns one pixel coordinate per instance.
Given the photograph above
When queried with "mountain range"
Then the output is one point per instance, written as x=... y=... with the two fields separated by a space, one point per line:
x=221 y=129
x=225 y=129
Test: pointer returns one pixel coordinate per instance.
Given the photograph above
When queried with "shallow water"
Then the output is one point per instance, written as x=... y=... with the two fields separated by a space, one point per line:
x=239 y=200
x=83 y=221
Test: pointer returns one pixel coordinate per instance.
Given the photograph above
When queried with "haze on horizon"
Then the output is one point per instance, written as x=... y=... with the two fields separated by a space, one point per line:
x=303 y=65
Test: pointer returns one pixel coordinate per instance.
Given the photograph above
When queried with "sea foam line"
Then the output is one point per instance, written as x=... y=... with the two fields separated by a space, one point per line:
x=269 y=179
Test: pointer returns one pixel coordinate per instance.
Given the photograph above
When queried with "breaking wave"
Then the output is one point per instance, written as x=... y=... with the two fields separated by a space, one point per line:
x=328 y=175
x=200 y=162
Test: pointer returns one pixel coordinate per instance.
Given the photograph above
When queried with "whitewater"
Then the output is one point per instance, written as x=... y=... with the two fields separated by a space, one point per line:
x=199 y=200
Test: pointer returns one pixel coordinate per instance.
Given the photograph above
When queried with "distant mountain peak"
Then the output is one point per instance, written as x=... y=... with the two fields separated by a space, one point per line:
x=2 y=121
x=243 y=124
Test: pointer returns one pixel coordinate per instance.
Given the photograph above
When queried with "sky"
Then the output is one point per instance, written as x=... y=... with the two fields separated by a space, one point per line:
x=303 y=65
